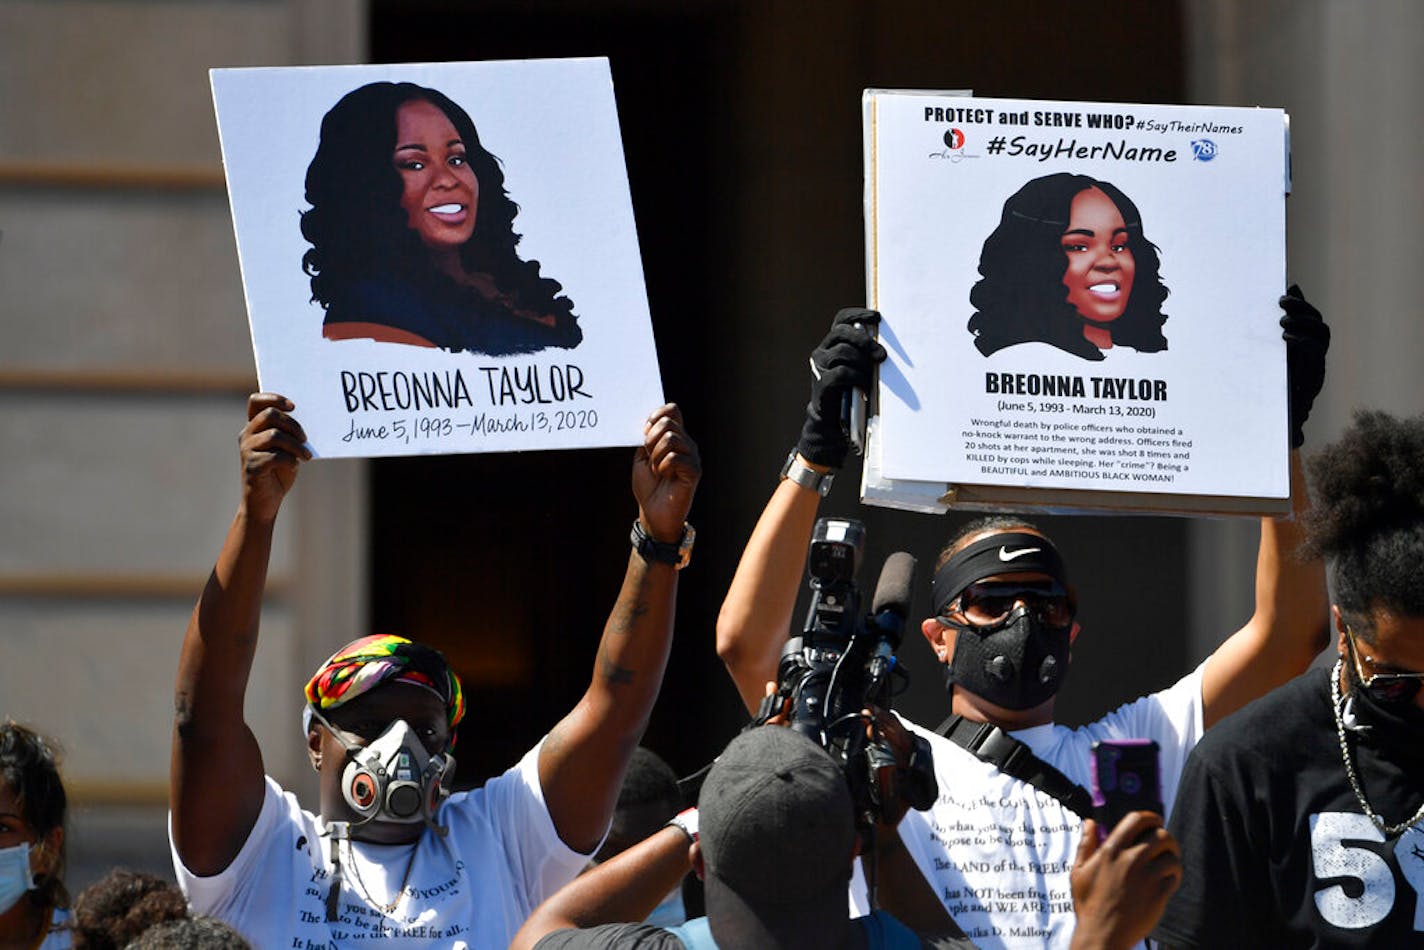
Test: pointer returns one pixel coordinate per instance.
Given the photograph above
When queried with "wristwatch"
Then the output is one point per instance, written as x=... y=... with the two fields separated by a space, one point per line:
x=807 y=477
x=663 y=552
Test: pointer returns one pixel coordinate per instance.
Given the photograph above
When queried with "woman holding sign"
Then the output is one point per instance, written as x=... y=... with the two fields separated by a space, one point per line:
x=412 y=232
x=1069 y=265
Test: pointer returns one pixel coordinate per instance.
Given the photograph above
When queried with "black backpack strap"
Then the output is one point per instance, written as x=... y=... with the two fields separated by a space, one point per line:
x=989 y=743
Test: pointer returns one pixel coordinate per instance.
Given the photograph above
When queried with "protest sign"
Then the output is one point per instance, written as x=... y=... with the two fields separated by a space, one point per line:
x=1079 y=304
x=441 y=257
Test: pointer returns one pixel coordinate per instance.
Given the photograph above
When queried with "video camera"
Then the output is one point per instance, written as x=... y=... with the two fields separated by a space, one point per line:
x=844 y=661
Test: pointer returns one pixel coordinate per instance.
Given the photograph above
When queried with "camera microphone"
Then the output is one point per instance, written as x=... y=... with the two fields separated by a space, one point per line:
x=892 y=597
x=844 y=661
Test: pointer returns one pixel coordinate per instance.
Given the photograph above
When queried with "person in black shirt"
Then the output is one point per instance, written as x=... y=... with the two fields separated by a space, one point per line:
x=1301 y=818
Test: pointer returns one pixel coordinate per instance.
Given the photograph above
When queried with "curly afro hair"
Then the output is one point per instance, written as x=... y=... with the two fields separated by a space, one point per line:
x=1368 y=517
x=114 y=910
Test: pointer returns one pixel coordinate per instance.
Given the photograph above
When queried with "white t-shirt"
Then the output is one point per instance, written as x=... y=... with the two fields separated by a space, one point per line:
x=998 y=851
x=471 y=888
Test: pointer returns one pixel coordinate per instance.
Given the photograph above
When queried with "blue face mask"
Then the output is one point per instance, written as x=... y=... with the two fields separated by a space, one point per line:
x=15 y=876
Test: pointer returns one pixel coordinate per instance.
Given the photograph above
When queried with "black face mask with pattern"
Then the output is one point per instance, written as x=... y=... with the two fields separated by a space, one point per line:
x=1017 y=664
x=1397 y=726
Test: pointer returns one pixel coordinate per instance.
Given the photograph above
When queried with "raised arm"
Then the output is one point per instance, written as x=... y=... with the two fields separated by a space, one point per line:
x=626 y=887
x=582 y=761
x=1290 y=623
x=756 y=614
x=1289 y=627
x=215 y=783
x=755 y=618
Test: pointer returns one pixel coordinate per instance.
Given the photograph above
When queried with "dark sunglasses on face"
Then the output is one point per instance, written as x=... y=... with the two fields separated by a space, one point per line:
x=988 y=603
x=1383 y=687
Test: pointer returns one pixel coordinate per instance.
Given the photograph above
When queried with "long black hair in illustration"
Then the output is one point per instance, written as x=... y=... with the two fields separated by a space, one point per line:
x=368 y=267
x=1021 y=296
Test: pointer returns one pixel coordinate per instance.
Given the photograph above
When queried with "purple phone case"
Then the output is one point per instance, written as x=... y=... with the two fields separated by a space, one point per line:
x=1142 y=787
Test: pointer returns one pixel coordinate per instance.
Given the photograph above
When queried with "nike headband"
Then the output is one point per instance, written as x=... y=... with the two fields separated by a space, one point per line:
x=1011 y=552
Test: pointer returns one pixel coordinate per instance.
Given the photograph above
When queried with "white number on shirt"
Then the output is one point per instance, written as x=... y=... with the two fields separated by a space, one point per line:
x=1334 y=858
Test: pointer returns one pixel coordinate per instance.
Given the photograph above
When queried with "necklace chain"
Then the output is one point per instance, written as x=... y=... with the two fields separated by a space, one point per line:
x=385 y=909
x=1389 y=830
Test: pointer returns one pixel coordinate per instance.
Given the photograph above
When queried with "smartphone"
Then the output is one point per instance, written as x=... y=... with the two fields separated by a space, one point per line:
x=1124 y=780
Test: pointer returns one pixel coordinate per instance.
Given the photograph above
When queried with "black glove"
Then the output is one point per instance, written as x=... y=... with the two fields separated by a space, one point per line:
x=845 y=360
x=1307 y=338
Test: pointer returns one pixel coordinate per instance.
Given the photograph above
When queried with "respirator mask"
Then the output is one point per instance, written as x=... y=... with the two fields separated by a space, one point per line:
x=393 y=778
x=1011 y=647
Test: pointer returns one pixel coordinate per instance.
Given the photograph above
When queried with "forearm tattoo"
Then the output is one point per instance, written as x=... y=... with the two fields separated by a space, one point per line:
x=613 y=674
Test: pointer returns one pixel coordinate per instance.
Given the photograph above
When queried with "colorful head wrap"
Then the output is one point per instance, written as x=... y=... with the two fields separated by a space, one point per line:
x=364 y=664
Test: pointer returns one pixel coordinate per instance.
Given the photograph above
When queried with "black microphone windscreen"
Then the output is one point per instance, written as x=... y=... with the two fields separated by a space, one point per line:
x=896 y=584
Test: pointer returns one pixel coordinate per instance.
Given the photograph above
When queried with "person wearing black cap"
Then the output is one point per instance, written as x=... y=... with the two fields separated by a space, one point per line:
x=773 y=839
x=998 y=844
x=393 y=857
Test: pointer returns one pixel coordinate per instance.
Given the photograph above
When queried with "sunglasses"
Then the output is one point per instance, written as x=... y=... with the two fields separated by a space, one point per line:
x=1383 y=687
x=989 y=603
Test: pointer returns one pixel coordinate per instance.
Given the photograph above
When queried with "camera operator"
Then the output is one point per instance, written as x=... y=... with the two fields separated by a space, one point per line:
x=390 y=858
x=777 y=840
x=774 y=849
x=999 y=841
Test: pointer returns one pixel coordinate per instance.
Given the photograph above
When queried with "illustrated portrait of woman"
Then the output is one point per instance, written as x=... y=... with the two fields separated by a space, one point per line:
x=1069 y=265
x=412 y=233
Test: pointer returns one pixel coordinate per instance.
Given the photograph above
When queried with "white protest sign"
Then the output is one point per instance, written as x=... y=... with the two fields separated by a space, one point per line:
x=1079 y=296
x=440 y=257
